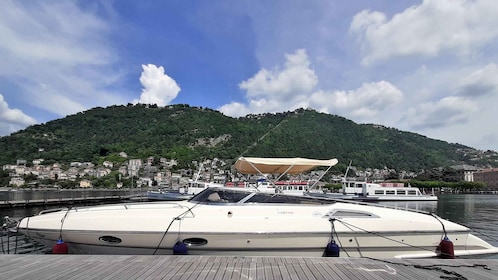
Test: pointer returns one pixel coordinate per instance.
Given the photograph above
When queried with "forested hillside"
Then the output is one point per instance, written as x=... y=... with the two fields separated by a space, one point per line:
x=188 y=133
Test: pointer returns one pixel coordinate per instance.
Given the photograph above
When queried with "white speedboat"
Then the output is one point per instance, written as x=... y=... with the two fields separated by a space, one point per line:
x=244 y=222
x=229 y=221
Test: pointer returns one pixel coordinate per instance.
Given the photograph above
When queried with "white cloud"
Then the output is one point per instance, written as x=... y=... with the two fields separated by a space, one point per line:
x=277 y=90
x=457 y=26
x=158 y=88
x=295 y=78
x=364 y=104
x=12 y=119
x=235 y=109
x=57 y=56
x=446 y=112
x=294 y=86
x=56 y=32
x=481 y=82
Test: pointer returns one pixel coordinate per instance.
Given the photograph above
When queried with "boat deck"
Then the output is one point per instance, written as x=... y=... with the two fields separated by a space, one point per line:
x=225 y=267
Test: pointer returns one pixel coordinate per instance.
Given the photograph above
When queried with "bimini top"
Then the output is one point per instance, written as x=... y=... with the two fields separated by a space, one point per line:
x=253 y=165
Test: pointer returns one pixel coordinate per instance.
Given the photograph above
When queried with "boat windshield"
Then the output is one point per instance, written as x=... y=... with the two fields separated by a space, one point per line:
x=236 y=195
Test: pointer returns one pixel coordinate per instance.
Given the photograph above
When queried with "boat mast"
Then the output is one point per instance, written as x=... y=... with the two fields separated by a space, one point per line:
x=347 y=170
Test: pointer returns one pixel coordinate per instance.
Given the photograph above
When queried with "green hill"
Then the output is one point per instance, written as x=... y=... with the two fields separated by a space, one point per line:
x=189 y=133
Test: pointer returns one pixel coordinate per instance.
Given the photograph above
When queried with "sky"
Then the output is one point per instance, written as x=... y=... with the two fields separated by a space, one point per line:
x=428 y=67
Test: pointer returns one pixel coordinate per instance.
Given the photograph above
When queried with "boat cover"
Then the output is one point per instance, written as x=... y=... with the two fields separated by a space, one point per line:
x=254 y=165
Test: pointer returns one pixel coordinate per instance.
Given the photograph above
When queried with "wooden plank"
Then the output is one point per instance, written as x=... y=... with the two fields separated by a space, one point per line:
x=79 y=267
x=207 y=271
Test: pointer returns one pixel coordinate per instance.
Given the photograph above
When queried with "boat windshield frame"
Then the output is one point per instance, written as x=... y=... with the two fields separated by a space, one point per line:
x=215 y=195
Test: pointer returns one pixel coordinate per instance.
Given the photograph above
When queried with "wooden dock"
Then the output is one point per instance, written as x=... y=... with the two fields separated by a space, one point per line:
x=64 y=201
x=224 y=267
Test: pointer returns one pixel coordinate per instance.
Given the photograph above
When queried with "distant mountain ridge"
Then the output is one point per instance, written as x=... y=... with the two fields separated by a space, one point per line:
x=189 y=133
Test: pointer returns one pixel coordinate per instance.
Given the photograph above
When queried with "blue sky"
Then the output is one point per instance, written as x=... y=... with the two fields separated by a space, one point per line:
x=429 y=67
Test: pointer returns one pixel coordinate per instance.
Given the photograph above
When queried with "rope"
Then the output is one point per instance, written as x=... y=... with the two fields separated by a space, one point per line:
x=439 y=220
x=333 y=231
x=177 y=218
x=7 y=225
x=62 y=222
x=349 y=226
x=262 y=137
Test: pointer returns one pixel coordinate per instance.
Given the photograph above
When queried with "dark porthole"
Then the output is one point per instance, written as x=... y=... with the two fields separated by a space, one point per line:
x=195 y=241
x=110 y=239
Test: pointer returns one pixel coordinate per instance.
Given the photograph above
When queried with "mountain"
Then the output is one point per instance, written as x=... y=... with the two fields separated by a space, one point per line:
x=190 y=133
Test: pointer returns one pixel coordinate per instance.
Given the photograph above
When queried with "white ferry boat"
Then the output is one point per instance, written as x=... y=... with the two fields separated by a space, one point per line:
x=364 y=191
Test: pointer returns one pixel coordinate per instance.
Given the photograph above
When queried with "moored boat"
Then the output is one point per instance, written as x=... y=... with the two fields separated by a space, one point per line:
x=248 y=222
x=228 y=221
x=365 y=191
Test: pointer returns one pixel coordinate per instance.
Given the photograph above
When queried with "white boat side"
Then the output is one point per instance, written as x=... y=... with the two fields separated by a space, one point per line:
x=248 y=222
x=251 y=224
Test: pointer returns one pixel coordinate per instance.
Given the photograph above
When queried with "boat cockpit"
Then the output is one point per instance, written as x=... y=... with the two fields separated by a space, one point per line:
x=240 y=196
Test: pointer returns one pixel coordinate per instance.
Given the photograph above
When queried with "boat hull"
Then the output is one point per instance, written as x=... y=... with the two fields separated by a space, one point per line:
x=389 y=245
x=250 y=230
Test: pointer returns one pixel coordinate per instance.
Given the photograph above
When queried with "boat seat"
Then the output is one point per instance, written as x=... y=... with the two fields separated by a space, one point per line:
x=214 y=197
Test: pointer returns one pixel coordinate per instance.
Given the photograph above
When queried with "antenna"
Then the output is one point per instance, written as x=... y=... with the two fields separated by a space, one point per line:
x=347 y=170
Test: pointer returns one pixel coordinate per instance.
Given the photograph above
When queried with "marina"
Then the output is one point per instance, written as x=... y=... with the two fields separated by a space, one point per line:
x=473 y=210
x=248 y=222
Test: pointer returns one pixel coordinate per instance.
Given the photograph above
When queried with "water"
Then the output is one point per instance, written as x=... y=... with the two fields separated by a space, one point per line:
x=476 y=211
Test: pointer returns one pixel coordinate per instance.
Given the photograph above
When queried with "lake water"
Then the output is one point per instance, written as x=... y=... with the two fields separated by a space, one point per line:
x=476 y=211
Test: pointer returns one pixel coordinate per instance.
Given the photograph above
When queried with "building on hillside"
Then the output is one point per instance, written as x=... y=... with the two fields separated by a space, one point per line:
x=488 y=177
x=38 y=161
x=85 y=183
x=17 y=181
x=123 y=170
x=134 y=167
x=466 y=171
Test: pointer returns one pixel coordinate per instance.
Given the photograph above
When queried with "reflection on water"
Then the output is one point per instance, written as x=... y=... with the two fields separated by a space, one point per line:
x=475 y=211
x=20 y=212
x=427 y=206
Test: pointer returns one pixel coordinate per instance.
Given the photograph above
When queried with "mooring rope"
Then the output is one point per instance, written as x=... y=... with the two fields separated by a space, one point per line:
x=177 y=218
x=62 y=222
x=350 y=226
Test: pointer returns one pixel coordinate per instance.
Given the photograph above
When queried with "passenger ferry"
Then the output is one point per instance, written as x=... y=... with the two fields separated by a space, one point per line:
x=364 y=191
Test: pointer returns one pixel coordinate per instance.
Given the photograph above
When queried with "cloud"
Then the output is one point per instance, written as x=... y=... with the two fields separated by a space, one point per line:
x=58 y=56
x=12 y=119
x=448 y=111
x=363 y=104
x=482 y=82
x=277 y=90
x=435 y=26
x=294 y=86
x=296 y=78
x=158 y=88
